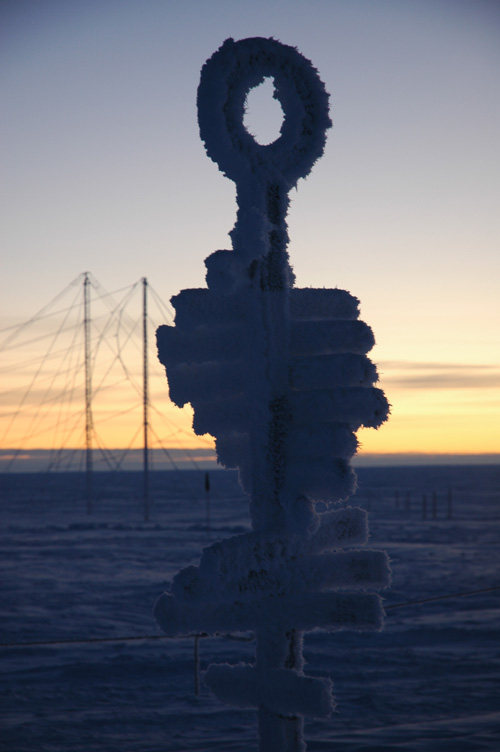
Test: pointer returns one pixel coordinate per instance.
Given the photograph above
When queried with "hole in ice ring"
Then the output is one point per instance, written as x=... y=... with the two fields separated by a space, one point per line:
x=263 y=114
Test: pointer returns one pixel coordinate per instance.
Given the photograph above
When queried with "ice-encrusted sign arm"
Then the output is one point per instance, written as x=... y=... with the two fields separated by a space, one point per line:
x=279 y=376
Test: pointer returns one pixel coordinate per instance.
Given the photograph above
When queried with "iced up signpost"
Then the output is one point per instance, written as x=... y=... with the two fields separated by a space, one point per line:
x=279 y=376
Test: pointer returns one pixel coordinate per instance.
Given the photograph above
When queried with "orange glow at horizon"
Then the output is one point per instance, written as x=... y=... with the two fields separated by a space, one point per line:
x=444 y=421
x=442 y=407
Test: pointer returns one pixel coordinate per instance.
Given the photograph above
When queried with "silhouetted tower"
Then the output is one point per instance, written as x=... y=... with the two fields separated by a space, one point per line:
x=145 y=395
x=88 y=390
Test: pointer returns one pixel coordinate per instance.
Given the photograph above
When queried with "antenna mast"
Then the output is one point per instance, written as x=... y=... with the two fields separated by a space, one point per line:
x=145 y=395
x=88 y=390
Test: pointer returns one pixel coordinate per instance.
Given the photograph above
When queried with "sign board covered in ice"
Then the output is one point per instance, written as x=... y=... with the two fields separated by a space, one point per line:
x=281 y=378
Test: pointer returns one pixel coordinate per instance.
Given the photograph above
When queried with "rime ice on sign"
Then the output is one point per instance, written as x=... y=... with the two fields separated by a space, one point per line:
x=280 y=377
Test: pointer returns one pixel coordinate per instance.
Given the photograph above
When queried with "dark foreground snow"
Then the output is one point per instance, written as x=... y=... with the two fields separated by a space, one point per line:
x=430 y=681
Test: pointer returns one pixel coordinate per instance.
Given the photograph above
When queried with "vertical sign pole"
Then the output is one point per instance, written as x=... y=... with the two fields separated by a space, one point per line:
x=275 y=650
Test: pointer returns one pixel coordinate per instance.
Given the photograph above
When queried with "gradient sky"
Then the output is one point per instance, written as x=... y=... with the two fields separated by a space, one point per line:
x=102 y=169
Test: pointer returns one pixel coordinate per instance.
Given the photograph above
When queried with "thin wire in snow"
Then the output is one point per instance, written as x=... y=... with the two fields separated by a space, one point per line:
x=134 y=638
x=225 y=636
x=442 y=597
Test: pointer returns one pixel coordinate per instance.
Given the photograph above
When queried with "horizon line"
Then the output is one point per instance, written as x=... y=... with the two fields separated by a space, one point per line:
x=204 y=458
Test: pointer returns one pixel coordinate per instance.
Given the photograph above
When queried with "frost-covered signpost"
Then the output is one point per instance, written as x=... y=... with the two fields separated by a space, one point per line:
x=279 y=376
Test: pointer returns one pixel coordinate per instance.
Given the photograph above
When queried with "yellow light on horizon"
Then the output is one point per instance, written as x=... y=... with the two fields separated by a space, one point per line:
x=452 y=410
x=438 y=421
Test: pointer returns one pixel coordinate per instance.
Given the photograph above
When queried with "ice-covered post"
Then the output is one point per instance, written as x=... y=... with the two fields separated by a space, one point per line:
x=279 y=376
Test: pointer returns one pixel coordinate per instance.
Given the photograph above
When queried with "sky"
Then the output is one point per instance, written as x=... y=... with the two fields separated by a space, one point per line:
x=102 y=169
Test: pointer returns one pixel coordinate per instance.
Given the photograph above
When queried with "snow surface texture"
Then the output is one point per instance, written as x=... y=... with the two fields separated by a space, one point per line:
x=279 y=376
x=429 y=682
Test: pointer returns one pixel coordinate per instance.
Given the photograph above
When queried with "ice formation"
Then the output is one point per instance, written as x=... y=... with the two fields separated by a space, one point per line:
x=280 y=377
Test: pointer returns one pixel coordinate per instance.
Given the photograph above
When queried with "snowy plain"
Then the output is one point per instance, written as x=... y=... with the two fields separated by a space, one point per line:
x=430 y=681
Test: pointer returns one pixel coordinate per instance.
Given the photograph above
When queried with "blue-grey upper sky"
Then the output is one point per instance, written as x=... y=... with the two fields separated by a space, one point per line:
x=103 y=169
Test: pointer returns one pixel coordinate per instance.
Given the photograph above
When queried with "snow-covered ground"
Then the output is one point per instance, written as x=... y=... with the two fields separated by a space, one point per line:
x=430 y=681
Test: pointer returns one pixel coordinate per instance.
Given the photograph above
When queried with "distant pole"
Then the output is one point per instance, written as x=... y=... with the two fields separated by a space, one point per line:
x=145 y=395
x=408 y=501
x=196 y=665
x=88 y=390
x=207 y=492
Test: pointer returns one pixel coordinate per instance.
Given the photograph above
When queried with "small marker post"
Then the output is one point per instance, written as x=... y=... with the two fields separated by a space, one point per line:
x=207 y=498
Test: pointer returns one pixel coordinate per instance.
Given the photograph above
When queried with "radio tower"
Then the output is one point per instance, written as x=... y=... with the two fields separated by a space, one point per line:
x=88 y=390
x=145 y=395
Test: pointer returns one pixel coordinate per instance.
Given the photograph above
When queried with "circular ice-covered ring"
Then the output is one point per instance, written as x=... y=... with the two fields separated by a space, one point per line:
x=226 y=79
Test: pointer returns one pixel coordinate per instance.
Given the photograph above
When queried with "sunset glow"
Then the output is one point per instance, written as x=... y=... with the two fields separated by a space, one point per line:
x=104 y=169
